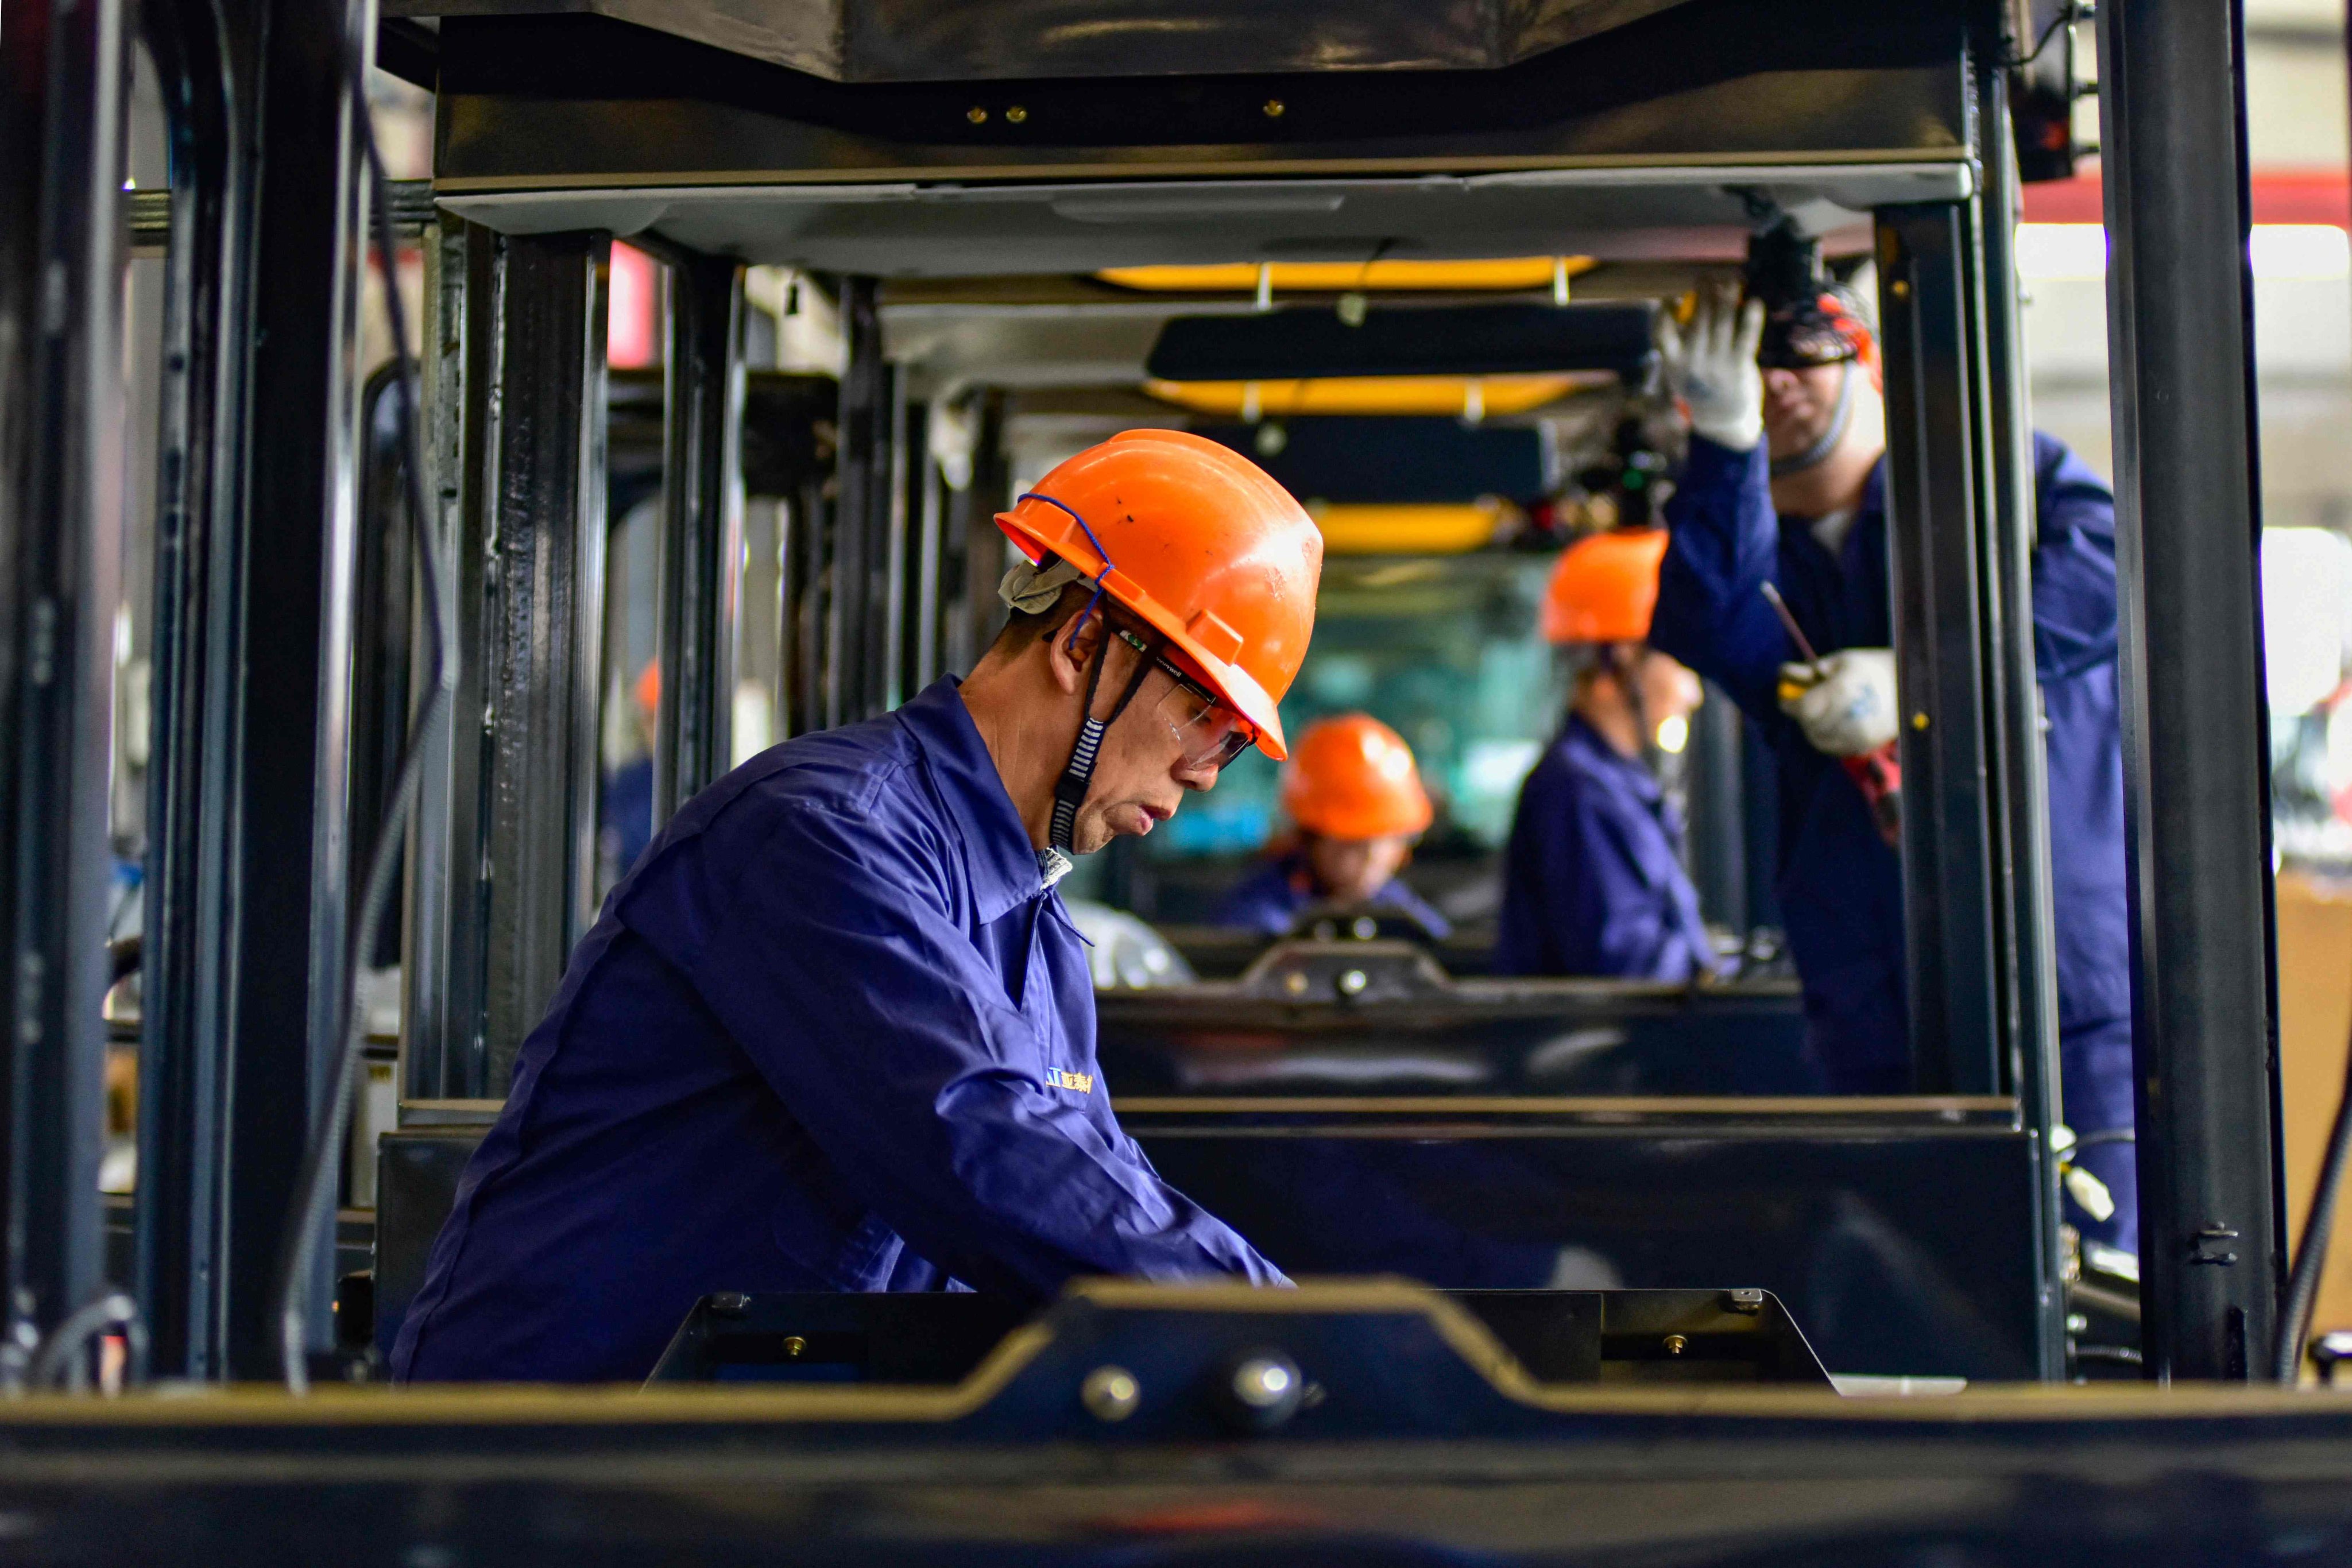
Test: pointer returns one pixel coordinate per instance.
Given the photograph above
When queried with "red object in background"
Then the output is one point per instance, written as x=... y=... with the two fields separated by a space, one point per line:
x=2281 y=196
x=635 y=307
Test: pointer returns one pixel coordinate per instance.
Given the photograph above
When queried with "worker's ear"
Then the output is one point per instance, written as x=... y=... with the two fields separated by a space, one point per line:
x=1073 y=646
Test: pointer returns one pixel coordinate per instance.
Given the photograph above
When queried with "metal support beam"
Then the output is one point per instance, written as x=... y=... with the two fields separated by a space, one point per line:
x=702 y=529
x=543 y=638
x=2196 y=741
x=1936 y=508
x=443 y=1052
x=2022 y=903
x=855 y=666
x=250 y=855
x=62 y=70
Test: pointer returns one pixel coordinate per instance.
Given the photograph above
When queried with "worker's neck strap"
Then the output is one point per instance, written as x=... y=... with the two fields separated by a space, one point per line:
x=1070 y=790
x=1818 y=453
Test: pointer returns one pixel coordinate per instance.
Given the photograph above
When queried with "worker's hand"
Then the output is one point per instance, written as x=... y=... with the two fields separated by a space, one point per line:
x=1710 y=368
x=1845 y=704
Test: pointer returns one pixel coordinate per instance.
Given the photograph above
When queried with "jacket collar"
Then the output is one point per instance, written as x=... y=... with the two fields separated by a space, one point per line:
x=998 y=855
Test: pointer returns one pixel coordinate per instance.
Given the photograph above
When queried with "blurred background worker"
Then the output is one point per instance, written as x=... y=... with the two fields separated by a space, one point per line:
x=1785 y=486
x=1593 y=881
x=836 y=1031
x=1353 y=791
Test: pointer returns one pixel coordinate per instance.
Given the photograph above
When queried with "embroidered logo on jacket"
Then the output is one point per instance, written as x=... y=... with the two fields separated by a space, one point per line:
x=1084 y=1082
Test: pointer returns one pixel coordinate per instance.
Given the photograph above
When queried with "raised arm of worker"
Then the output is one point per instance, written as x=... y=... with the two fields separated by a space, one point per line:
x=1725 y=536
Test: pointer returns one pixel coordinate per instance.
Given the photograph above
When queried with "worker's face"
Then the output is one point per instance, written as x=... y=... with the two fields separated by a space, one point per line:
x=1141 y=775
x=1349 y=870
x=1799 y=406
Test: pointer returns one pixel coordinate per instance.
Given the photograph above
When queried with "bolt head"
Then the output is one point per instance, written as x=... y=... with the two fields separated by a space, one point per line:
x=1274 y=108
x=1016 y=115
x=1110 y=1394
x=1353 y=982
x=976 y=114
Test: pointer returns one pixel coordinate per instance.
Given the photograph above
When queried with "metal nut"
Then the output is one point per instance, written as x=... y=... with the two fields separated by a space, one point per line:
x=1110 y=1394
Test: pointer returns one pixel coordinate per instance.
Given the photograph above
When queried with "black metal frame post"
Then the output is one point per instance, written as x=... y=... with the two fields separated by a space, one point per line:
x=702 y=529
x=1937 y=512
x=63 y=70
x=544 y=632
x=855 y=667
x=248 y=861
x=2023 y=903
x=2196 y=741
x=443 y=1051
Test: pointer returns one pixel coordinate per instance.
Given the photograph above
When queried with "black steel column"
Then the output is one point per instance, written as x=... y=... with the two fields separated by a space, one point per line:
x=2023 y=901
x=248 y=861
x=544 y=632
x=62 y=69
x=181 y=1224
x=702 y=529
x=1936 y=506
x=856 y=663
x=444 y=1055
x=2196 y=742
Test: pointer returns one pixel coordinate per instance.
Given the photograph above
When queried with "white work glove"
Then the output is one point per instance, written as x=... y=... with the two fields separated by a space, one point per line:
x=1710 y=367
x=1846 y=704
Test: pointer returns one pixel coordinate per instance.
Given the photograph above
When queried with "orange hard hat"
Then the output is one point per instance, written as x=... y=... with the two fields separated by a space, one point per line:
x=1605 y=587
x=1354 y=778
x=1200 y=542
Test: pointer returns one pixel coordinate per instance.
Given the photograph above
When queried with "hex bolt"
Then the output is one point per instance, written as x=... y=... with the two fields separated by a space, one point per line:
x=1110 y=1394
x=1263 y=1389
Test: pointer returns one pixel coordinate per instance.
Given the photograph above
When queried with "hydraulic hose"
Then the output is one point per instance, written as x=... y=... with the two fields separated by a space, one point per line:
x=315 y=1188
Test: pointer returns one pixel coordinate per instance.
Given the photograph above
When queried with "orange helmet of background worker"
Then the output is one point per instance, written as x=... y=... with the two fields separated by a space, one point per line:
x=1202 y=544
x=1605 y=587
x=1353 y=778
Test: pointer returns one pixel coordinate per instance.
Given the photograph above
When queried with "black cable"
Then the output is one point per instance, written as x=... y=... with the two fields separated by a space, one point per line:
x=2311 y=1252
x=2068 y=12
x=314 y=1192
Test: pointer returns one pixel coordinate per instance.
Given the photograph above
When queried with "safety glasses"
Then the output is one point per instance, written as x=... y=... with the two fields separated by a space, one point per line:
x=1208 y=733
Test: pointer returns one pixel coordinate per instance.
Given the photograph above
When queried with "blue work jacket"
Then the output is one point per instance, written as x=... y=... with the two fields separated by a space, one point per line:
x=1271 y=897
x=834 y=1034
x=1593 y=881
x=1840 y=887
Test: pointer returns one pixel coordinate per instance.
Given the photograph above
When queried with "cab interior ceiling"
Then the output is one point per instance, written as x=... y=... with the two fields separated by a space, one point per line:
x=955 y=40
x=910 y=230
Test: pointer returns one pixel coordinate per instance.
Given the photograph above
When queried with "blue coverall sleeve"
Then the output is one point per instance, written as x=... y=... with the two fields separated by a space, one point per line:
x=894 y=1045
x=1724 y=544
